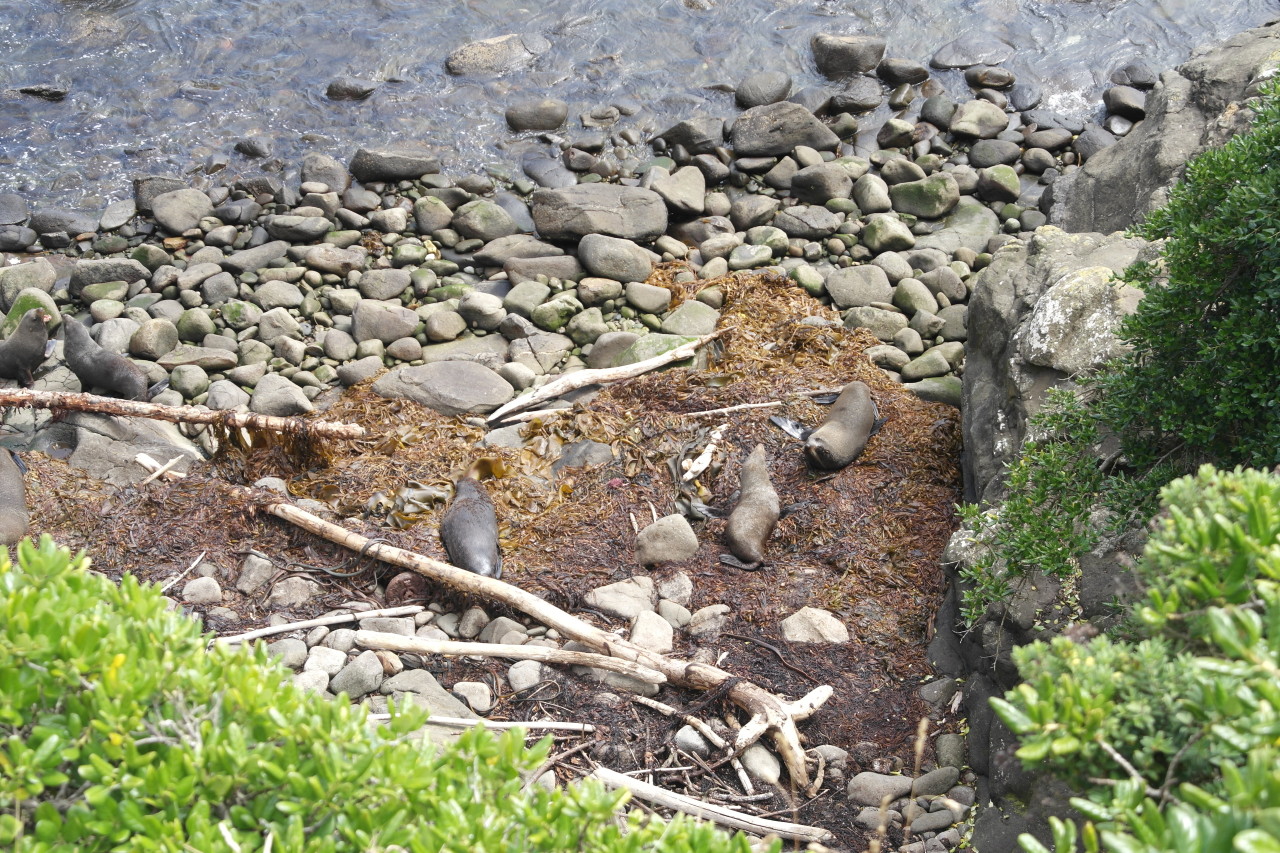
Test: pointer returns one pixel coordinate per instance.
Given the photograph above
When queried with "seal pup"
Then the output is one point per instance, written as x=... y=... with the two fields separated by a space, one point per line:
x=23 y=351
x=14 y=518
x=469 y=530
x=96 y=367
x=852 y=420
x=753 y=518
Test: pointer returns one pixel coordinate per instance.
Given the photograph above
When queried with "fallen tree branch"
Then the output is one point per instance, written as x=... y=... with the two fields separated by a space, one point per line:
x=769 y=713
x=67 y=401
x=423 y=646
x=582 y=378
x=710 y=811
x=331 y=619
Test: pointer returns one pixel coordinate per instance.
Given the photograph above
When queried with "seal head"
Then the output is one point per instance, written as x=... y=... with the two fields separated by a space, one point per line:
x=469 y=530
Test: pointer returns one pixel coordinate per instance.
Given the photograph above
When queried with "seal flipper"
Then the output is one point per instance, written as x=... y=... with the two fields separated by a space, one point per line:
x=730 y=560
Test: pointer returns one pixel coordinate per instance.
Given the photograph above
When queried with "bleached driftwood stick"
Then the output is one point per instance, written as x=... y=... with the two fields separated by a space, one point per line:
x=710 y=811
x=464 y=723
x=67 y=401
x=423 y=646
x=582 y=378
x=332 y=619
x=741 y=407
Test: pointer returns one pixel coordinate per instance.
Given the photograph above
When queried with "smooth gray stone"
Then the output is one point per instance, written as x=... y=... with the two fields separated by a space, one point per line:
x=449 y=387
x=496 y=55
x=392 y=164
x=537 y=114
x=763 y=87
x=777 y=129
x=181 y=210
x=841 y=55
x=572 y=213
x=13 y=209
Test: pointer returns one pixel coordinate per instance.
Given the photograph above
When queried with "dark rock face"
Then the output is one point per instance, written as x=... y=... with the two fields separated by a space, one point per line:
x=392 y=164
x=1194 y=107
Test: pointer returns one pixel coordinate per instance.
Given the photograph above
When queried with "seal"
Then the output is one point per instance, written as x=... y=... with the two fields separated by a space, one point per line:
x=753 y=518
x=23 y=351
x=469 y=530
x=14 y=518
x=96 y=367
x=852 y=420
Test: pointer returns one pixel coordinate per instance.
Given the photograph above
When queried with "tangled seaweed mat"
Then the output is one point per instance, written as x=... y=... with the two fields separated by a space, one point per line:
x=864 y=543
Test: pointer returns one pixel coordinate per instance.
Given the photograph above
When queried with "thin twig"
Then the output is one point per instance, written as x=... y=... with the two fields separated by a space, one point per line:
x=184 y=572
x=727 y=409
x=464 y=723
x=706 y=731
x=162 y=470
x=553 y=760
x=331 y=619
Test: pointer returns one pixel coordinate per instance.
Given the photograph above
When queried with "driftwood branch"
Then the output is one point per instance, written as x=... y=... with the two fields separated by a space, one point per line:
x=332 y=619
x=710 y=811
x=582 y=378
x=769 y=713
x=66 y=401
x=423 y=646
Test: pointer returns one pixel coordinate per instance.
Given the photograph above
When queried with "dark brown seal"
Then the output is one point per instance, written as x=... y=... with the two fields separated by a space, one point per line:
x=98 y=368
x=23 y=351
x=753 y=518
x=469 y=530
x=13 y=501
x=844 y=433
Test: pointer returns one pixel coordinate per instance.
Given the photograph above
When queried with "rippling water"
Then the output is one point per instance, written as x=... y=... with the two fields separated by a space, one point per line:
x=164 y=85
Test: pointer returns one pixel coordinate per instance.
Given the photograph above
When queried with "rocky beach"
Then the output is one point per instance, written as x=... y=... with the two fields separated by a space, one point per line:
x=387 y=289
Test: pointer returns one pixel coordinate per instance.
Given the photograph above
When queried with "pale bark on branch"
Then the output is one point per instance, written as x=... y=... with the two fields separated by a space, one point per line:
x=600 y=376
x=710 y=811
x=424 y=646
x=75 y=402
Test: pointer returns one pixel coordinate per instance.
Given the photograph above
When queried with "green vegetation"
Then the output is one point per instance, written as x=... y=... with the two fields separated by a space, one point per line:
x=1199 y=384
x=1183 y=726
x=1171 y=731
x=119 y=731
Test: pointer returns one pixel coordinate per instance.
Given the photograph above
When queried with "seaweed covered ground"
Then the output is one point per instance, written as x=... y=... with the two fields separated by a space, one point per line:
x=864 y=543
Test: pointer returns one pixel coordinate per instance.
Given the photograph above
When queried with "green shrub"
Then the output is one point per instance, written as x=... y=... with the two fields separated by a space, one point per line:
x=119 y=731
x=1200 y=381
x=1043 y=524
x=1174 y=739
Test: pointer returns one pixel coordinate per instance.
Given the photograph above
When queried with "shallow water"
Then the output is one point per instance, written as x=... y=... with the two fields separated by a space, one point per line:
x=165 y=86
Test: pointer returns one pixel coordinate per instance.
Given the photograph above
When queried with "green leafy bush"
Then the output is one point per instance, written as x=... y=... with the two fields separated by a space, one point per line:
x=119 y=731
x=1200 y=381
x=1174 y=739
x=1043 y=524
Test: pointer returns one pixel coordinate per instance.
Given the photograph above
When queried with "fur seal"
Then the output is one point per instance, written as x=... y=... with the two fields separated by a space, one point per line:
x=14 y=518
x=96 y=367
x=23 y=351
x=469 y=530
x=852 y=420
x=753 y=518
